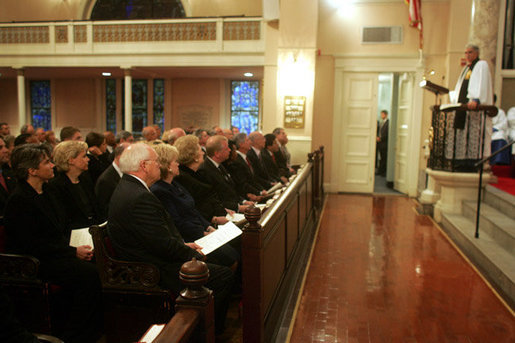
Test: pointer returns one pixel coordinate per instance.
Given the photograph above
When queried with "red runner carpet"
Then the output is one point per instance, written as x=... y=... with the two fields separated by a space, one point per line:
x=504 y=181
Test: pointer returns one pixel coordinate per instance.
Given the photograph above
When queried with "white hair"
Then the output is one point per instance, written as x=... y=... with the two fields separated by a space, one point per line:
x=132 y=157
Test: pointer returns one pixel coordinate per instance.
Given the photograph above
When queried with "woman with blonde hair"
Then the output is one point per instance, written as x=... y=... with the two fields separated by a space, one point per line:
x=73 y=187
x=181 y=206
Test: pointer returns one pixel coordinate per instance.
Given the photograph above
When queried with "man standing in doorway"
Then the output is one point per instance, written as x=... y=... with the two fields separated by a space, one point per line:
x=382 y=143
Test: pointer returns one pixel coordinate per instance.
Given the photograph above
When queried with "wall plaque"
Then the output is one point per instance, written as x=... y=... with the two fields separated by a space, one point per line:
x=294 y=108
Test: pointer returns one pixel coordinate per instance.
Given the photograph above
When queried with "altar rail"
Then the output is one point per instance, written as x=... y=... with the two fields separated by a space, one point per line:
x=205 y=35
x=274 y=250
x=457 y=150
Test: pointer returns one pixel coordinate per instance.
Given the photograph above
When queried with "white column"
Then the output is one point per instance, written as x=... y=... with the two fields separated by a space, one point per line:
x=22 y=117
x=128 y=100
x=484 y=25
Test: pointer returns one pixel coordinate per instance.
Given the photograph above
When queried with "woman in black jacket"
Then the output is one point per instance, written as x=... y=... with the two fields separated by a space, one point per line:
x=35 y=225
x=73 y=186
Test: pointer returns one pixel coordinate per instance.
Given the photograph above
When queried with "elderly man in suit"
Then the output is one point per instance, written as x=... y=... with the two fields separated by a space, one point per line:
x=214 y=173
x=141 y=229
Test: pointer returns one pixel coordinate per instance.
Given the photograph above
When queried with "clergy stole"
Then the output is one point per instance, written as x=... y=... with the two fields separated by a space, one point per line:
x=461 y=115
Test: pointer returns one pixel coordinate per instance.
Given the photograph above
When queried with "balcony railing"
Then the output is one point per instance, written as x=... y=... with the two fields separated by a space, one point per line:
x=206 y=35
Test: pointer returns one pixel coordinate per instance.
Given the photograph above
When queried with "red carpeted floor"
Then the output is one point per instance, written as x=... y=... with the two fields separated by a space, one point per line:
x=504 y=181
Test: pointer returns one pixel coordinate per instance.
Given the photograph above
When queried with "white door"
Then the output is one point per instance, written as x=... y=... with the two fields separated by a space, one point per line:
x=358 y=130
x=403 y=126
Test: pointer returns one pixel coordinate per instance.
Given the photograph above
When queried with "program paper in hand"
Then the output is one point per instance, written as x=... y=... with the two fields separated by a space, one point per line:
x=81 y=237
x=216 y=239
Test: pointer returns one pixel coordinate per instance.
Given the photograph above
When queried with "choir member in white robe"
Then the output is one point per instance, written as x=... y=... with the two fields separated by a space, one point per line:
x=499 y=139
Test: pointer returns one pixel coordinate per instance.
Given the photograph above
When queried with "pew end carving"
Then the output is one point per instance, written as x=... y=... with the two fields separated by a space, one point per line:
x=194 y=309
x=133 y=299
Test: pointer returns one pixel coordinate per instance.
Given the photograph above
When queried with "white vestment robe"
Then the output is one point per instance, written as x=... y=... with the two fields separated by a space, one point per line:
x=480 y=88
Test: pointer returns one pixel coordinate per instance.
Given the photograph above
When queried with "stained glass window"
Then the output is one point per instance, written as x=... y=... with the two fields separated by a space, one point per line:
x=139 y=105
x=159 y=103
x=245 y=105
x=111 y=105
x=40 y=101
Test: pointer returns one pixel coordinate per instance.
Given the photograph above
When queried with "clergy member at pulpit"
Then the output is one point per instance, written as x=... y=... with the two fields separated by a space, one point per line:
x=474 y=87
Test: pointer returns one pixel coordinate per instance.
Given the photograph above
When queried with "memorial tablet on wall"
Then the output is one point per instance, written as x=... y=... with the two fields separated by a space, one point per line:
x=294 y=107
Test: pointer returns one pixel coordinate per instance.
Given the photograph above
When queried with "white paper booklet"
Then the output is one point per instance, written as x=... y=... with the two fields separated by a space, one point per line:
x=236 y=217
x=152 y=333
x=81 y=237
x=275 y=187
x=216 y=239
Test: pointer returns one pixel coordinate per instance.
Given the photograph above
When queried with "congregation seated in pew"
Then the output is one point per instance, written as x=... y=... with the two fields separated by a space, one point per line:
x=181 y=206
x=214 y=173
x=140 y=229
x=35 y=224
x=207 y=201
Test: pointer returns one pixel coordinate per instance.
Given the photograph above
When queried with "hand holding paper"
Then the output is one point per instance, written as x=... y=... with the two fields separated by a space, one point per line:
x=214 y=240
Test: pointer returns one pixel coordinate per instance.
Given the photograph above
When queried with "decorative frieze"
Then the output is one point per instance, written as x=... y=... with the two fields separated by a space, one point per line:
x=61 y=34
x=80 y=34
x=24 y=35
x=242 y=30
x=203 y=31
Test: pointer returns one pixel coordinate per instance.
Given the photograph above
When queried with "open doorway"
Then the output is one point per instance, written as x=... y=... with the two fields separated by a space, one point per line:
x=355 y=117
x=387 y=102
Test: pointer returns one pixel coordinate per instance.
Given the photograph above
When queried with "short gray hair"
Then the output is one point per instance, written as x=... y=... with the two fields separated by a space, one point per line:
x=472 y=46
x=239 y=139
x=132 y=157
x=122 y=135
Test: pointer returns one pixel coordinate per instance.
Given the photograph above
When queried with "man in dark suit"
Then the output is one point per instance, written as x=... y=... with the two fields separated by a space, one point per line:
x=7 y=183
x=283 y=156
x=257 y=144
x=109 y=179
x=242 y=172
x=382 y=143
x=269 y=160
x=141 y=229
x=215 y=174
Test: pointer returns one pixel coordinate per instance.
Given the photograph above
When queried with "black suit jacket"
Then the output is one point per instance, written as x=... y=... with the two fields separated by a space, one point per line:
x=224 y=188
x=105 y=187
x=259 y=169
x=383 y=134
x=141 y=229
x=10 y=181
x=77 y=215
x=35 y=225
x=282 y=163
x=206 y=199
x=270 y=165
x=181 y=206
x=244 y=177
x=97 y=165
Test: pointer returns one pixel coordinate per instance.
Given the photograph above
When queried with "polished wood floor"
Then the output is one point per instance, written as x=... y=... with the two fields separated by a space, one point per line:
x=381 y=273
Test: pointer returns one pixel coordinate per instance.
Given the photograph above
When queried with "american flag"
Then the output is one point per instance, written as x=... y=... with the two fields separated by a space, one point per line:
x=415 y=16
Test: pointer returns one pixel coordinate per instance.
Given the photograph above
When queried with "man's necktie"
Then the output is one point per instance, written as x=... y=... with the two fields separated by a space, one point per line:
x=225 y=174
x=249 y=164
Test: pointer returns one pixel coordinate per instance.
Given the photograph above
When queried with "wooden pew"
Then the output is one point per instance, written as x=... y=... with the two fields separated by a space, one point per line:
x=194 y=309
x=274 y=248
x=132 y=296
x=29 y=294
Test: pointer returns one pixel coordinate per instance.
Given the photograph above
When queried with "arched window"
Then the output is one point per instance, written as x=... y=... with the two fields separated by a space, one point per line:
x=137 y=9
